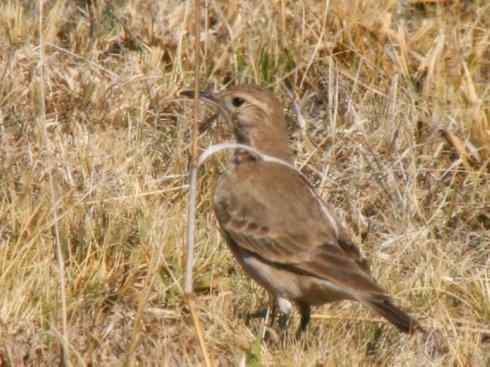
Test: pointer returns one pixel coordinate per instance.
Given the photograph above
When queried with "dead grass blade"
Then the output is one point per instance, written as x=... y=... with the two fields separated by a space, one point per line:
x=460 y=148
x=191 y=208
x=65 y=358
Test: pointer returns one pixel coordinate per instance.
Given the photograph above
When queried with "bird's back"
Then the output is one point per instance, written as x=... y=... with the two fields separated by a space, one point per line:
x=276 y=212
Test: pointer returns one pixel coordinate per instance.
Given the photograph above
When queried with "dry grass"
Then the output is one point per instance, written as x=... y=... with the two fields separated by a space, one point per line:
x=395 y=98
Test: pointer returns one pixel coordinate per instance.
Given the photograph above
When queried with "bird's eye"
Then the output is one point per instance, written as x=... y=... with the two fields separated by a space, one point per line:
x=237 y=101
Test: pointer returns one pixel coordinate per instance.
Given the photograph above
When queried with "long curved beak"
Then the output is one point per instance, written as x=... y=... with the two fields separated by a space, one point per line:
x=212 y=100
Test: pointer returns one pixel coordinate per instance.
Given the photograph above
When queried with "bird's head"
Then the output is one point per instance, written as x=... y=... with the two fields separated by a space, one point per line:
x=256 y=115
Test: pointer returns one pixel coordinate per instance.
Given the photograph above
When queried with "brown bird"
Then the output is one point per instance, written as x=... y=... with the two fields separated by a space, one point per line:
x=278 y=228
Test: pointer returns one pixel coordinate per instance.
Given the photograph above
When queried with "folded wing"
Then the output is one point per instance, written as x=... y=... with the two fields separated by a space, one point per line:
x=281 y=219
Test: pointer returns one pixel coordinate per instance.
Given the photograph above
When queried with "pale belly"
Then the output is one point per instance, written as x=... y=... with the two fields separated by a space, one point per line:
x=283 y=283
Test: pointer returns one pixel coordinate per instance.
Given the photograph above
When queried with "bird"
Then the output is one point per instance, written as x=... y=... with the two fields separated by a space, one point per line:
x=278 y=228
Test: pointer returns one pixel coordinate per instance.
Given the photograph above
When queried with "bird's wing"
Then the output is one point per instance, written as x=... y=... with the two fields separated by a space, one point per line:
x=273 y=212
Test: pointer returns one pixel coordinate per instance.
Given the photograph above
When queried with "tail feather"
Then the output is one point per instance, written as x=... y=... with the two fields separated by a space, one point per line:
x=400 y=319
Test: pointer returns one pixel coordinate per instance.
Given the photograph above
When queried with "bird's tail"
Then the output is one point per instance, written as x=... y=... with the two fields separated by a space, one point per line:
x=385 y=307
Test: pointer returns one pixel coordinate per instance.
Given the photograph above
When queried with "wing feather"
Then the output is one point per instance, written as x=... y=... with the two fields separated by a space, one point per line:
x=272 y=211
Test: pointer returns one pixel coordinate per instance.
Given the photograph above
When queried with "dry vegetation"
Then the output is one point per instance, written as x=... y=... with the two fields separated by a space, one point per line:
x=396 y=101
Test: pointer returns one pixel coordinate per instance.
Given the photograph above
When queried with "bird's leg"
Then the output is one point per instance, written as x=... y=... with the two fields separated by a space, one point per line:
x=268 y=314
x=263 y=313
x=285 y=308
x=269 y=319
x=305 y=312
x=283 y=321
x=273 y=312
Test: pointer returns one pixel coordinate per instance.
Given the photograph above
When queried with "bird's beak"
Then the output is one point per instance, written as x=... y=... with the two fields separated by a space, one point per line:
x=205 y=96
x=213 y=100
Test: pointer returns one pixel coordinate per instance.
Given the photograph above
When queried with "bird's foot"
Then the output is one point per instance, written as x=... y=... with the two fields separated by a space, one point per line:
x=261 y=313
x=305 y=311
x=283 y=321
